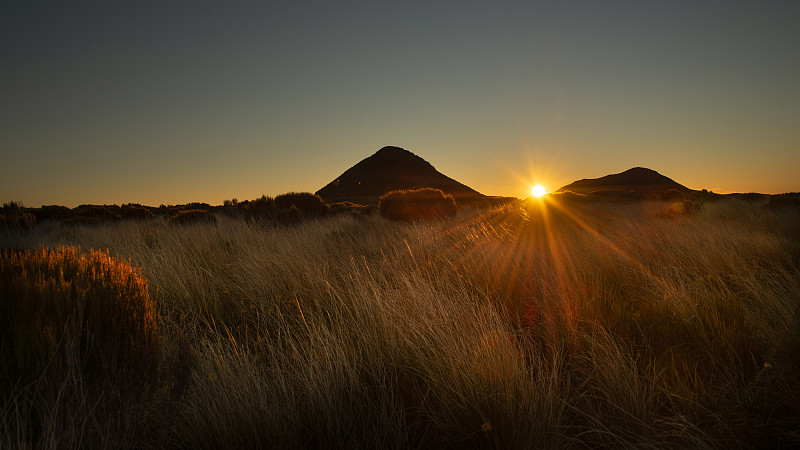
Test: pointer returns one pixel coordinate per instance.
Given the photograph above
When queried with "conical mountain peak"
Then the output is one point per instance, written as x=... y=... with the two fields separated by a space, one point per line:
x=390 y=168
x=637 y=179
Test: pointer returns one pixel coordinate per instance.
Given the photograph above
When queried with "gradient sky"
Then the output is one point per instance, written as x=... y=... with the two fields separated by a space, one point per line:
x=173 y=102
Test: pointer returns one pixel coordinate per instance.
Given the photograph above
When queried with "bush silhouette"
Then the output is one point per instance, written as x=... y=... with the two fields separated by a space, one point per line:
x=14 y=216
x=192 y=216
x=784 y=201
x=52 y=212
x=350 y=208
x=289 y=216
x=308 y=204
x=416 y=204
x=231 y=208
x=95 y=211
x=62 y=311
x=135 y=212
x=261 y=209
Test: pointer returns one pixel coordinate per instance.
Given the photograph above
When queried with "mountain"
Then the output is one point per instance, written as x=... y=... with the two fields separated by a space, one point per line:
x=638 y=179
x=391 y=168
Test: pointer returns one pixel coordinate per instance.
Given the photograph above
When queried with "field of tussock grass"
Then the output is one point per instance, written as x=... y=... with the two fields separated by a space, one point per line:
x=532 y=325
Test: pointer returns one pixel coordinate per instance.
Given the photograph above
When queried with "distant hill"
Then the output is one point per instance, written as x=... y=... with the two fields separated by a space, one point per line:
x=389 y=169
x=639 y=179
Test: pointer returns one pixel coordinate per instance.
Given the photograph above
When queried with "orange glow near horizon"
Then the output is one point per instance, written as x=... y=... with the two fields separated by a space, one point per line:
x=538 y=190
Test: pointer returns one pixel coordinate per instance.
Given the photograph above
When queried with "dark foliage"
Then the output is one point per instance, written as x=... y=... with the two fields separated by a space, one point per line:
x=192 y=216
x=290 y=216
x=308 y=204
x=230 y=208
x=704 y=195
x=80 y=331
x=103 y=212
x=784 y=201
x=14 y=216
x=196 y=205
x=350 y=208
x=52 y=212
x=42 y=291
x=748 y=196
x=261 y=209
x=135 y=212
x=417 y=204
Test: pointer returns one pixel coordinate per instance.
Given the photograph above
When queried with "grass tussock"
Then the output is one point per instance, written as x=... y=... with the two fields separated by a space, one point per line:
x=14 y=216
x=414 y=204
x=286 y=209
x=193 y=216
x=533 y=325
x=79 y=346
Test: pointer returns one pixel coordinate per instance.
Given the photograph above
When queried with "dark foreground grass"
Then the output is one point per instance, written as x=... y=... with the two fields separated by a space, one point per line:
x=535 y=325
x=79 y=347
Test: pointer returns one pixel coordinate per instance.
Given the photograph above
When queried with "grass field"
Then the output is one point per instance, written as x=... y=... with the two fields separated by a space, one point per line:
x=533 y=325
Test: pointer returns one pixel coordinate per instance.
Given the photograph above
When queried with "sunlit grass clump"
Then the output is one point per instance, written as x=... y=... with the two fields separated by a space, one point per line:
x=52 y=295
x=73 y=328
x=416 y=204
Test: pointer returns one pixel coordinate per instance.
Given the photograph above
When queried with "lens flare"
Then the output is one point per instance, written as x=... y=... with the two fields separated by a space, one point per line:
x=538 y=190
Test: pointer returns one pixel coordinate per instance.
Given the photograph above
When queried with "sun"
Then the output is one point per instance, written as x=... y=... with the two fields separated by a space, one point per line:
x=538 y=190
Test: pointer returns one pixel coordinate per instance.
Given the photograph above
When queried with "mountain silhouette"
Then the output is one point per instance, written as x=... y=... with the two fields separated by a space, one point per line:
x=389 y=169
x=638 y=179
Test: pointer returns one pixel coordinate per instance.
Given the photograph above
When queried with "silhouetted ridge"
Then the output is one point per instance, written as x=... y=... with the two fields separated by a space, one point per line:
x=389 y=169
x=637 y=179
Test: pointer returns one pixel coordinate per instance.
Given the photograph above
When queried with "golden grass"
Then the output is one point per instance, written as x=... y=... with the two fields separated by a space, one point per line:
x=526 y=326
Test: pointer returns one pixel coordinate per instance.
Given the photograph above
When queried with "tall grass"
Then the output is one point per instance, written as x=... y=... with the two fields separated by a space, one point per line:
x=525 y=326
x=78 y=348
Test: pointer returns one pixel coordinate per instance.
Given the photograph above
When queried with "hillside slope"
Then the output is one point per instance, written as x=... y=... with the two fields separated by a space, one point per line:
x=391 y=168
x=637 y=179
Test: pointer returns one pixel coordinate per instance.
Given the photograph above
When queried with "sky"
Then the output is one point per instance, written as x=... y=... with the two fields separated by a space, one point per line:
x=173 y=102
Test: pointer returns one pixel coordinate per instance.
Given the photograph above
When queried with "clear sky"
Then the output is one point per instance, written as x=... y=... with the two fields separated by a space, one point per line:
x=180 y=101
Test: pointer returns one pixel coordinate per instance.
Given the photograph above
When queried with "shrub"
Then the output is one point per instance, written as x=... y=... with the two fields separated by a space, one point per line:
x=52 y=212
x=261 y=209
x=784 y=201
x=192 y=216
x=14 y=216
x=350 y=208
x=97 y=211
x=196 y=205
x=91 y=313
x=231 y=208
x=308 y=204
x=671 y=195
x=290 y=215
x=416 y=204
x=135 y=212
x=704 y=195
